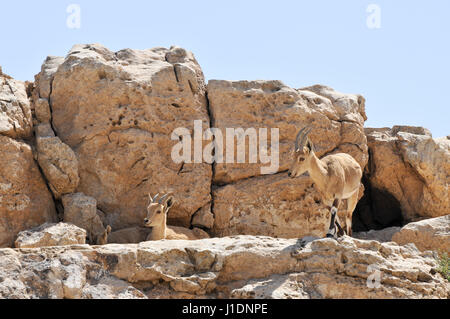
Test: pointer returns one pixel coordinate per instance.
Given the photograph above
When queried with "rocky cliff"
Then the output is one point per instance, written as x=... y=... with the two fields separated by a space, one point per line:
x=93 y=135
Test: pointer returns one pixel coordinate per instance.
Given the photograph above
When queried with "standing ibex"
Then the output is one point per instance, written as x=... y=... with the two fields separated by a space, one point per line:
x=157 y=219
x=336 y=176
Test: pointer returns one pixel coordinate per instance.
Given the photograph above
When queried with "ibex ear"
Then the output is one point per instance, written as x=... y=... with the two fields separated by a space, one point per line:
x=310 y=146
x=150 y=198
x=168 y=203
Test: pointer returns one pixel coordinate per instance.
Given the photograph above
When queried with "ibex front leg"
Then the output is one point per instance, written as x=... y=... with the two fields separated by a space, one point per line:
x=332 y=231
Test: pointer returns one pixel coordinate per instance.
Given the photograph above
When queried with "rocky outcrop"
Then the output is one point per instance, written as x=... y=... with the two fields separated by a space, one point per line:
x=383 y=235
x=48 y=235
x=81 y=210
x=25 y=200
x=409 y=171
x=429 y=234
x=15 y=110
x=246 y=202
x=57 y=161
x=244 y=267
x=117 y=111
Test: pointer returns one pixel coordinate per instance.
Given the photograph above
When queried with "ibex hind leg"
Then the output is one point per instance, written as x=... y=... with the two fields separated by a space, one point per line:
x=335 y=230
x=352 y=202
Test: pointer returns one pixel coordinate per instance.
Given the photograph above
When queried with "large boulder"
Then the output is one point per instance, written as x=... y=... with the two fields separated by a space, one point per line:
x=50 y=235
x=15 y=110
x=81 y=210
x=429 y=234
x=410 y=170
x=25 y=200
x=117 y=111
x=243 y=267
x=246 y=202
x=57 y=161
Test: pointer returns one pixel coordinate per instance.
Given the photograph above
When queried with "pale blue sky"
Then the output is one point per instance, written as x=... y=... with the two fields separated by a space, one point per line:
x=402 y=69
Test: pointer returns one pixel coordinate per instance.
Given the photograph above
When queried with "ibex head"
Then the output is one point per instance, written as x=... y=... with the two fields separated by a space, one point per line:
x=303 y=152
x=157 y=209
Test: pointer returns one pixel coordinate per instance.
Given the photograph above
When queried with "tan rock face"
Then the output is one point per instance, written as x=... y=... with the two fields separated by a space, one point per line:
x=429 y=234
x=414 y=168
x=276 y=205
x=244 y=267
x=117 y=112
x=25 y=201
x=15 y=111
x=337 y=120
x=81 y=210
x=59 y=164
x=49 y=235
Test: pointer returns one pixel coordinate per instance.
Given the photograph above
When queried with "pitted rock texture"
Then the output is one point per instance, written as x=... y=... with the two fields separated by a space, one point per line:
x=81 y=210
x=117 y=111
x=59 y=164
x=243 y=266
x=15 y=110
x=246 y=202
x=48 y=235
x=429 y=234
x=414 y=168
x=25 y=200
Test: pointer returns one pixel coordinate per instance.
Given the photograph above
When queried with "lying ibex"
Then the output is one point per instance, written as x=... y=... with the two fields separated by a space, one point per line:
x=157 y=219
x=336 y=176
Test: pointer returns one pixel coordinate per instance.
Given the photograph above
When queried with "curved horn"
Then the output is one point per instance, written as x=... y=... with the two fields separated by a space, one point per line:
x=302 y=137
x=155 y=198
x=161 y=200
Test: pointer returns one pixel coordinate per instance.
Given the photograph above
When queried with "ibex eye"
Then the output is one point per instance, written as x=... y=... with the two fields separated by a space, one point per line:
x=301 y=159
x=159 y=212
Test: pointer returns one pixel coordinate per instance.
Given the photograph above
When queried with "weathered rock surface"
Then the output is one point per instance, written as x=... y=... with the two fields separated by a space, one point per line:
x=117 y=111
x=15 y=110
x=411 y=166
x=244 y=266
x=383 y=235
x=25 y=201
x=81 y=210
x=429 y=234
x=59 y=164
x=48 y=235
x=276 y=205
x=337 y=120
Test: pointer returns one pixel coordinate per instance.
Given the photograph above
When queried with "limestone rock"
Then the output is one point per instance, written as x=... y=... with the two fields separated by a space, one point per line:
x=203 y=218
x=42 y=110
x=25 y=201
x=407 y=163
x=81 y=210
x=15 y=110
x=117 y=111
x=429 y=234
x=276 y=206
x=246 y=202
x=336 y=119
x=58 y=162
x=383 y=235
x=243 y=266
x=48 y=235
x=45 y=78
